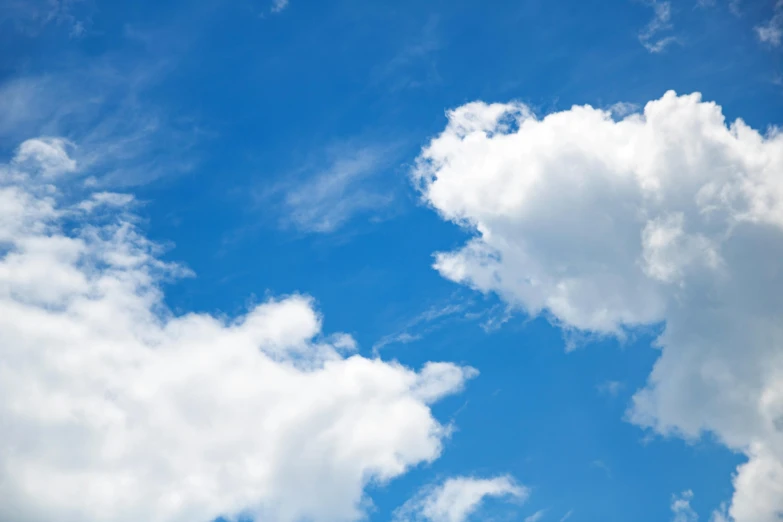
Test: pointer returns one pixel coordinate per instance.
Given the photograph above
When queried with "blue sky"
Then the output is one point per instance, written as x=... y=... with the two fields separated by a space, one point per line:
x=300 y=148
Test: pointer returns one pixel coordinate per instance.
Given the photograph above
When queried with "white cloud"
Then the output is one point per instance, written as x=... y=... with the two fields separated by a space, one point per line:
x=772 y=32
x=322 y=198
x=661 y=21
x=47 y=157
x=456 y=499
x=604 y=224
x=681 y=508
x=113 y=408
x=535 y=517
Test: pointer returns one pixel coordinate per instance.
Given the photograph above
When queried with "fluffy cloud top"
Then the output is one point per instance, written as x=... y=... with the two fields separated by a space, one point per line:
x=113 y=408
x=456 y=499
x=605 y=223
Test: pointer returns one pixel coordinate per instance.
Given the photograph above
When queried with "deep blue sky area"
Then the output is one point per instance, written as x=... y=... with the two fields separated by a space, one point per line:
x=216 y=114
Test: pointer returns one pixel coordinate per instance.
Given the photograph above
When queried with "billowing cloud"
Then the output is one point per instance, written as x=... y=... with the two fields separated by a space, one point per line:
x=113 y=408
x=603 y=224
x=457 y=498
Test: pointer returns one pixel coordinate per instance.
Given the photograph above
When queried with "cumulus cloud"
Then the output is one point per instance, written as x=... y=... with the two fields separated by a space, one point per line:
x=114 y=408
x=456 y=499
x=670 y=216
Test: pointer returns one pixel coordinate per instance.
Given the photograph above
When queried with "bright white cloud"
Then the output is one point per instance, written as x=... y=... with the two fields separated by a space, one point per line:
x=113 y=408
x=456 y=499
x=668 y=216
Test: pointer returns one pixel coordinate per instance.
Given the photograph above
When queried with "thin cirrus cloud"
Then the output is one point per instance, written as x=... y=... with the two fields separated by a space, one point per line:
x=102 y=106
x=414 y=65
x=650 y=37
x=114 y=408
x=419 y=326
x=603 y=224
x=30 y=17
x=537 y=516
x=279 y=5
x=345 y=183
x=458 y=498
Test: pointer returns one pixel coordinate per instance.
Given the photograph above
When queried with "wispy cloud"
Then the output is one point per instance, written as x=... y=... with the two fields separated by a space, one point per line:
x=611 y=388
x=414 y=64
x=567 y=515
x=681 y=508
x=31 y=17
x=279 y=5
x=397 y=338
x=326 y=193
x=650 y=36
x=600 y=464
x=456 y=499
x=420 y=325
x=771 y=33
x=490 y=317
x=537 y=516
x=100 y=105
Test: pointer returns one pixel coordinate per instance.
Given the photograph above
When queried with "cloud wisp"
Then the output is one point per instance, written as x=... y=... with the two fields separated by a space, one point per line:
x=322 y=196
x=458 y=498
x=661 y=22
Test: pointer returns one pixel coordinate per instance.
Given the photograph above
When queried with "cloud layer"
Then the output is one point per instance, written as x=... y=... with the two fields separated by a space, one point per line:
x=113 y=408
x=605 y=223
